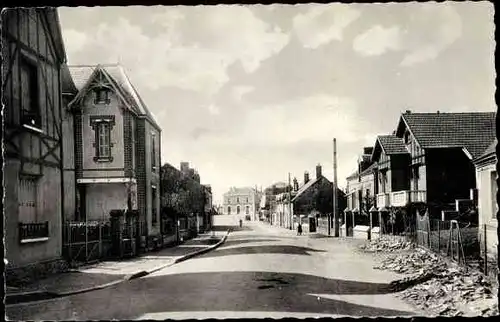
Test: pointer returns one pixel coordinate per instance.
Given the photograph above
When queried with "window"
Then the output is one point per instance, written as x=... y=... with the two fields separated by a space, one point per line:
x=30 y=108
x=494 y=189
x=101 y=96
x=153 y=152
x=102 y=127
x=247 y=199
x=237 y=200
x=154 y=209
x=247 y=210
x=229 y=210
x=407 y=138
x=238 y=210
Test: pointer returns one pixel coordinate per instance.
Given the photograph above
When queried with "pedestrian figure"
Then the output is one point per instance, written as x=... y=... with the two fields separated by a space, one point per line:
x=299 y=229
x=241 y=223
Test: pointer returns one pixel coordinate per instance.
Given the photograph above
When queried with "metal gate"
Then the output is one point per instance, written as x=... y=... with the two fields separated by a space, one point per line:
x=85 y=242
x=423 y=230
x=455 y=247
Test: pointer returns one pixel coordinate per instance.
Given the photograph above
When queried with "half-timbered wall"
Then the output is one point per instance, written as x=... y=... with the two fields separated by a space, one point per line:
x=32 y=133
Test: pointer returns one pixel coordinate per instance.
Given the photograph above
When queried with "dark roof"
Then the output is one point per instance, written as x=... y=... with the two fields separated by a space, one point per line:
x=368 y=170
x=489 y=153
x=391 y=144
x=68 y=85
x=471 y=130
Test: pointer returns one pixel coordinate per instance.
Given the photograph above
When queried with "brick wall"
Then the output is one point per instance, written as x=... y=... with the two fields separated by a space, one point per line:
x=140 y=168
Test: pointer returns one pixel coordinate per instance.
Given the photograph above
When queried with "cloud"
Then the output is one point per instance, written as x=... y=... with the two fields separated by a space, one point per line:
x=311 y=118
x=186 y=50
x=324 y=23
x=377 y=40
x=448 y=30
x=74 y=41
x=213 y=109
x=239 y=91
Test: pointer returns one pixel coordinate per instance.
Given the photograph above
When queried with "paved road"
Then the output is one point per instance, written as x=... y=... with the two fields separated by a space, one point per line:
x=260 y=271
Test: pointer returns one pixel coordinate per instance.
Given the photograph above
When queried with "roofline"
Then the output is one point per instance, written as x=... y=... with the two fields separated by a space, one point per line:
x=409 y=128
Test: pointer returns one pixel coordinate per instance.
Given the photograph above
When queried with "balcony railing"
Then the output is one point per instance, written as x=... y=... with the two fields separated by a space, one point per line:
x=405 y=197
x=32 y=232
x=383 y=199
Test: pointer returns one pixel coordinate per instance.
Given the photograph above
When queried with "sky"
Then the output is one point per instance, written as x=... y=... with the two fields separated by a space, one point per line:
x=249 y=93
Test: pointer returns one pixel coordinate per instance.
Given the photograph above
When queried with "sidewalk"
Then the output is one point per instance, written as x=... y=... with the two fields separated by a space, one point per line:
x=107 y=273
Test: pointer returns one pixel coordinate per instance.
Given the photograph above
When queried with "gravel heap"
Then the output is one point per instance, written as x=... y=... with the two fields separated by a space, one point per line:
x=417 y=262
x=441 y=288
x=386 y=244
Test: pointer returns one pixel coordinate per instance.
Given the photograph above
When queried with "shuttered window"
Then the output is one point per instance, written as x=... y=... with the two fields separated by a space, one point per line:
x=102 y=126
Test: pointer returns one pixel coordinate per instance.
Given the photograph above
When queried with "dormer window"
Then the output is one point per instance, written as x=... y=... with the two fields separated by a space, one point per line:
x=101 y=96
x=407 y=137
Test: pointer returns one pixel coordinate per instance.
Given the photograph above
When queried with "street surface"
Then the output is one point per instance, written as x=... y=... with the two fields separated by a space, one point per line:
x=260 y=271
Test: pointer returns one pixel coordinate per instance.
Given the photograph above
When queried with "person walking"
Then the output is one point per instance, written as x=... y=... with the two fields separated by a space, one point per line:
x=299 y=229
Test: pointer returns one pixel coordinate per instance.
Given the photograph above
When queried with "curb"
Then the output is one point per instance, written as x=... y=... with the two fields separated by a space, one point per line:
x=178 y=260
x=34 y=296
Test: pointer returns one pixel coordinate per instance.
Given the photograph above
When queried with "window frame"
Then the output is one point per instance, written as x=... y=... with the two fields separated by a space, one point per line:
x=31 y=118
x=101 y=100
x=153 y=153
x=97 y=123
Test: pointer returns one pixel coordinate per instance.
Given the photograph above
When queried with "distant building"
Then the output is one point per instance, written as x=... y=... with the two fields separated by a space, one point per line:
x=241 y=201
x=315 y=196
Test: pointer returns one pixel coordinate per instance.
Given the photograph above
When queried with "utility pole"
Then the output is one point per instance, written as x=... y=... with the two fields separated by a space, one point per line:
x=290 y=202
x=335 y=210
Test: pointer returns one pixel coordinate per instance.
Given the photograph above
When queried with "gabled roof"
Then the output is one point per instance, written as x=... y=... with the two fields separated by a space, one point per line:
x=83 y=74
x=306 y=186
x=390 y=144
x=471 y=130
x=67 y=83
x=489 y=155
x=368 y=170
x=243 y=190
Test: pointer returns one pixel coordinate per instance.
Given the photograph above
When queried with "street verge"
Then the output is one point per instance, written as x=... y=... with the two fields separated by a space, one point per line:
x=33 y=296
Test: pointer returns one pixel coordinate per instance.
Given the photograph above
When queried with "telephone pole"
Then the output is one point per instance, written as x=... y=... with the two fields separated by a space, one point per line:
x=335 y=210
x=290 y=202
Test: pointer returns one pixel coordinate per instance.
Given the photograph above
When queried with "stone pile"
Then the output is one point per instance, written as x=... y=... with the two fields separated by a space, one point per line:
x=440 y=288
x=417 y=262
x=453 y=292
x=386 y=244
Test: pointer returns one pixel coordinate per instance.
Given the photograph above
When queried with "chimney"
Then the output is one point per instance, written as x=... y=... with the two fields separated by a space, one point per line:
x=295 y=184
x=318 y=171
x=306 y=177
x=408 y=112
x=184 y=167
x=367 y=150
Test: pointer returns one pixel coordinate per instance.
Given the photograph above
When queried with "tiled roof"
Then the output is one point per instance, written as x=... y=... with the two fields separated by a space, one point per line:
x=391 y=144
x=489 y=152
x=81 y=75
x=352 y=175
x=368 y=170
x=472 y=130
x=243 y=190
x=305 y=187
x=67 y=83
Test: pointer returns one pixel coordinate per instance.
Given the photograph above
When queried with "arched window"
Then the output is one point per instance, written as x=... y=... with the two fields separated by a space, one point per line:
x=229 y=210
x=237 y=200
x=238 y=210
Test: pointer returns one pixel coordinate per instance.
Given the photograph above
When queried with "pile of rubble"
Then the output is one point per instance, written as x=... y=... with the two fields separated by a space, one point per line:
x=386 y=244
x=454 y=292
x=441 y=288
x=417 y=262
